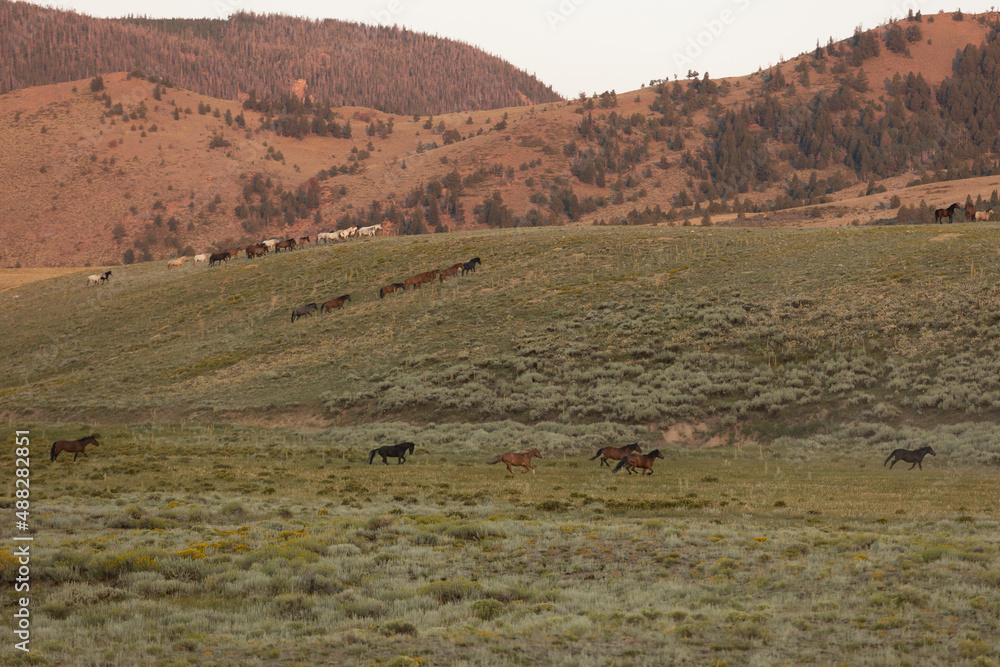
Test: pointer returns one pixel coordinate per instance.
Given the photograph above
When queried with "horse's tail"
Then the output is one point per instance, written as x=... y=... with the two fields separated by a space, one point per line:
x=52 y=454
x=496 y=460
x=371 y=456
x=621 y=464
x=890 y=456
x=599 y=452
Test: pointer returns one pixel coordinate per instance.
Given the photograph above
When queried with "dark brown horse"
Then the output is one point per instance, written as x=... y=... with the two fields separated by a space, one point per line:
x=218 y=258
x=399 y=451
x=305 y=240
x=514 y=459
x=389 y=289
x=633 y=462
x=75 y=446
x=450 y=271
x=616 y=453
x=335 y=303
x=287 y=244
x=970 y=212
x=914 y=456
x=945 y=213
x=256 y=250
x=470 y=266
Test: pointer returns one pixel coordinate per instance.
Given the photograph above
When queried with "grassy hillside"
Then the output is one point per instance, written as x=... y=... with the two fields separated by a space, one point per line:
x=734 y=333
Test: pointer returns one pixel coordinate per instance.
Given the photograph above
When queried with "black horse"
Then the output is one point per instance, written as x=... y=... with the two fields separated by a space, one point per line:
x=399 y=451
x=106 y=276
x=941 y=213
x=914 y=456
x=218 y=258
x=302 y=311
x=470 y=266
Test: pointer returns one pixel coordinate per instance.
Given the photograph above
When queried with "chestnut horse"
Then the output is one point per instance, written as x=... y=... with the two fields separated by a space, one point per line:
x=389 y=289
x=336 y=303
x=75 y=446
x=256 y=250
x=644 y=461
x=399 y=451
x=914 y=456
x=616 y=453
x=421 y=278
x=450 y=271
x=514 y=459
x=970 y=212
x=945 y=213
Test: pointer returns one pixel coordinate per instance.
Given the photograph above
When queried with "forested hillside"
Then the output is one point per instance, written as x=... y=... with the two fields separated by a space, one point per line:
x=341 y=63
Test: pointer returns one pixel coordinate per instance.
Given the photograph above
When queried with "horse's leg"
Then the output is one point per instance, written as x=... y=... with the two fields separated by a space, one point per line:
x=75 y=454
x=508 y=468
x=384 y=459
x=915 y=465
x=894 y=462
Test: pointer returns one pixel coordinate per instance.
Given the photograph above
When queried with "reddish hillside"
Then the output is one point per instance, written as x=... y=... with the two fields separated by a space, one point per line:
x=88 y=181
x=340 y=62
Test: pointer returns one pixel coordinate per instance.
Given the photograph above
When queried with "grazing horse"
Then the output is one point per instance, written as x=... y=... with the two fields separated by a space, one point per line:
x=970 y=212
x=287 y=244
x=302 y=311
x=983 y=216
x=176 y=263
x=256 y=250
x=514 y=459
x=75 y=446
x=914 y=456
x=399 y=451
x=616 y=453
x=335 y=303
x=218 y=258
x=634 y=461
x=389 y=289
x=945 y=213
x=450 y=271
x=470 y=266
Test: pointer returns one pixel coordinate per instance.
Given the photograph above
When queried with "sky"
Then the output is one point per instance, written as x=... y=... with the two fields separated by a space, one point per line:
x=588 y=45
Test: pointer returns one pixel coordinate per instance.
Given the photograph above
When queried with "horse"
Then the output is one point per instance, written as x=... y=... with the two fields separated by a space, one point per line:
x=370 y=230
x=270 y=243
x=644 y=461
x=945 y=213
x=234 y=253
x=94 y=279
x=287 y=244
x=336 y=303
x=256 y=250
x=914 y=456
x=326 y=237
x=305 y=240
x=983 y=216
x=389 y=289
x=450 y=271
x=176 y=263
x=302 y=311
x=218 y=258
x=514 y=459
x=106 y=276
x=970 y=212
x=348 y=233
x=201 y=259
x=75 y=446
x=421 y=278
x=399 y=451
x=616 y=453
x=470 y=266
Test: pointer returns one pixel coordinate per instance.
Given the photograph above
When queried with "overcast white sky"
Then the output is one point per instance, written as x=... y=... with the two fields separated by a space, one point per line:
x=588 y=45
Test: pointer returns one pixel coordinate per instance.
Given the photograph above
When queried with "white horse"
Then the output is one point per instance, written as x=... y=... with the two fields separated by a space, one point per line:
x=270 y=243
x=199 y=259
x=176 y=263
x=348 y=233
x=94 y=279
x=326 y=237
x=370 y=230
x=983 y=216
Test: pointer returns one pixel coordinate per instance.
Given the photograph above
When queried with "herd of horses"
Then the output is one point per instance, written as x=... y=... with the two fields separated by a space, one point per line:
x=971 y=214
x=413 y=281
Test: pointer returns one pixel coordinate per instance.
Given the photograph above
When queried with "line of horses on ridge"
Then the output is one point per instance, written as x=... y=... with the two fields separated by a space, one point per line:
x=413 y=281
x=970 y=213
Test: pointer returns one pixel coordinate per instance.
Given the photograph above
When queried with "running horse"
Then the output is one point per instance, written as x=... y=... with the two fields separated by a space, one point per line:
x=399 y=451
x=616 y=453
x=941 y=213
x=75 y=446
x=470 y=266
x=914 y=456
x=514 y=459
x=633 y=462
